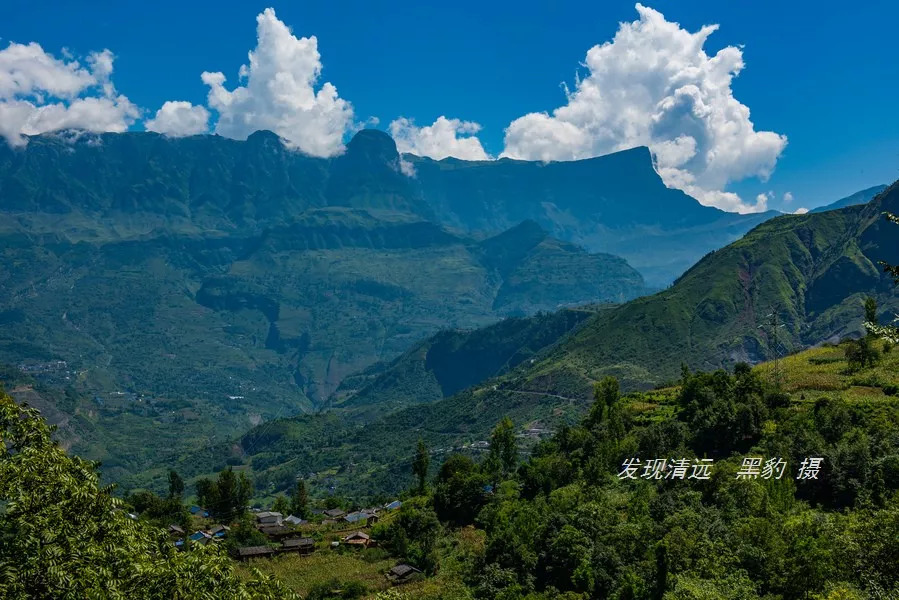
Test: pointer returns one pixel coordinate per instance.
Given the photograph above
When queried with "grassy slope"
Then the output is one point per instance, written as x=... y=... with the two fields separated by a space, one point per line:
x=302 y=573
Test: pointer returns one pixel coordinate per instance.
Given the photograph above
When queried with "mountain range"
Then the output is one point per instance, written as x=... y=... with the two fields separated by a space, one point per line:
x=124 y=186
x=180 y=290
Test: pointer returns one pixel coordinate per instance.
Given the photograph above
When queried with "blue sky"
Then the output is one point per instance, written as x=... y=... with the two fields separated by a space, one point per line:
x=824 y=75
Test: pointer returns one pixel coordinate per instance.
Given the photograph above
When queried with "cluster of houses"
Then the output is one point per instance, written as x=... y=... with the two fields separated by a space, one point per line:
x=365 y=517
x=286 y=538
x=276 y=527
x=201 y=536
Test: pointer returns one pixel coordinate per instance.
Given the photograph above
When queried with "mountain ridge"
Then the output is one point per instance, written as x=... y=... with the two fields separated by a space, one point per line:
x=860 y=197
x=104 y=186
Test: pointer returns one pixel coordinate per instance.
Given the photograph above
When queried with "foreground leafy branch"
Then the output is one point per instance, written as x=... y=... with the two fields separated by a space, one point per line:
x=63 y=535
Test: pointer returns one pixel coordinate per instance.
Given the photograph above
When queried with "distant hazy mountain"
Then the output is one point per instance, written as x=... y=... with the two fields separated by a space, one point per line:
x=862 y=197
x=615 y=203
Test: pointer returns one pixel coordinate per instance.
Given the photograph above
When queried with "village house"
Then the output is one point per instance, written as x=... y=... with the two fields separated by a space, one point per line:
x=401 y=574
x=357 y=538
x=334 y=513
x=200 y=537
x=175 y=530
x=269 y=518
x=295 y=521
x=219 y=531
x=249 y=552
x=298 y=545
x=275 y=532
x=361 y=517
x=395 y=505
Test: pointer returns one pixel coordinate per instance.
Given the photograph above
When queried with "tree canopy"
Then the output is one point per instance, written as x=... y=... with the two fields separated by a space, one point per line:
x=64 y=536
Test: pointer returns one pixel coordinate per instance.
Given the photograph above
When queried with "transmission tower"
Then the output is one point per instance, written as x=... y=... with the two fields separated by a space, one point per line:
x=774 y=325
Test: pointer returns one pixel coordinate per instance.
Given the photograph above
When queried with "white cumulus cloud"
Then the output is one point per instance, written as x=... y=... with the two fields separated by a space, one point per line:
x=179 y=118
x=800 y=211
x=41 y=93
x=444 y=138
x=280 y=93
x=788 y=197
x=654 y=85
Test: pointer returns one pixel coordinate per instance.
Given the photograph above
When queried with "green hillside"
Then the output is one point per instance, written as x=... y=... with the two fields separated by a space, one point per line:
x=204 y=336
x=453 y=360
x=812 y=271
x=197 y=287
x=130 y=185
x=799 y=499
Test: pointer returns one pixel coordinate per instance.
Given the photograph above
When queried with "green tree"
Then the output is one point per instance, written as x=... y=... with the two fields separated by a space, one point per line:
x=606 y=393
x=504 y=446
x=62 y=535
x=299 y=500
x=861 y=353
x=420 y=464
x=176 y=485
x=225 y=498
x=281 y=504
x=412 y=535
x=161 y=511
x=871 y=311
x=205 y=489
x=244 y=533
x=459 y=491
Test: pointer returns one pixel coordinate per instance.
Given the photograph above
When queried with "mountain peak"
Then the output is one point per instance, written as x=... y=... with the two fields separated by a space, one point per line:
x=528 y=228
x=374 y=145
x=263 y=136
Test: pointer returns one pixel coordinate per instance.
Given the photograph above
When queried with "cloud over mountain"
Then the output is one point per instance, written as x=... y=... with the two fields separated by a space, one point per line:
x=40 y=92
x=654 y=85
x=280 y=93
x=445 y=137
x=179 y=118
